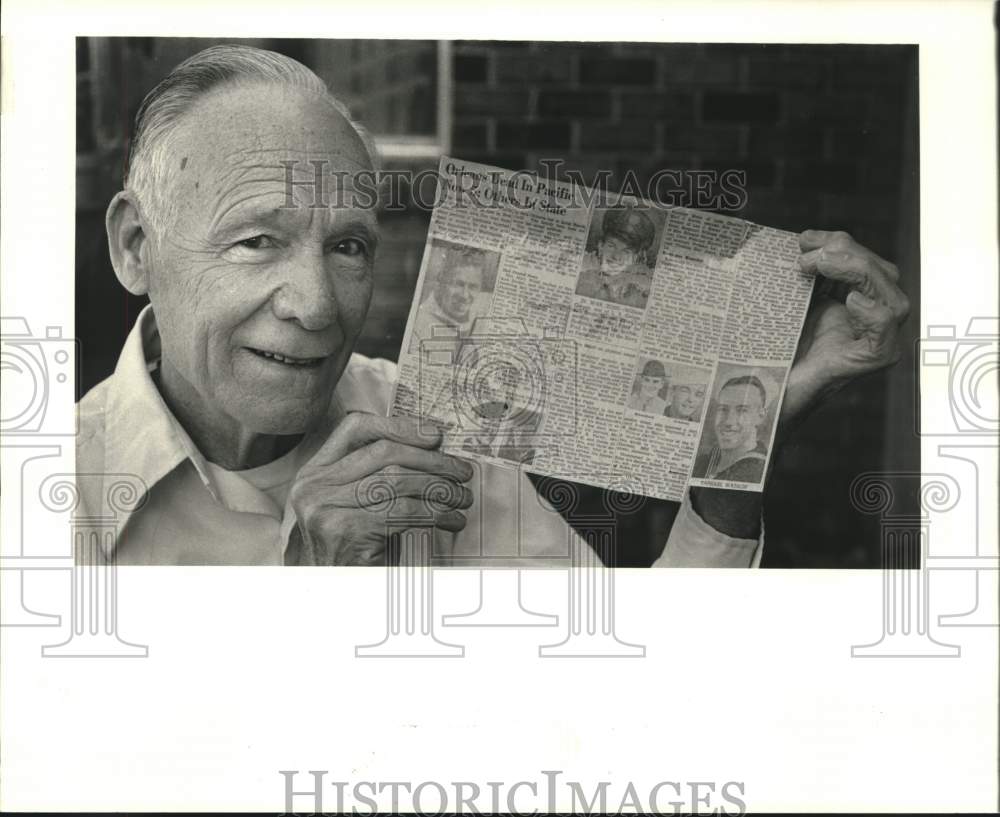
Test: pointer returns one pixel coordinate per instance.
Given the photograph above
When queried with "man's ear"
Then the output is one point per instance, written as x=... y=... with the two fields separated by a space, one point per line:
x=127 y=233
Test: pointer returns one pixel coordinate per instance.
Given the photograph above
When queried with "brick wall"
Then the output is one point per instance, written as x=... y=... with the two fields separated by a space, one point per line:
x=818 y=129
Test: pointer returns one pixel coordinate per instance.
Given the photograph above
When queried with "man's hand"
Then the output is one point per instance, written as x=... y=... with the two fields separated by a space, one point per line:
x=340 y=495
x=841 y=341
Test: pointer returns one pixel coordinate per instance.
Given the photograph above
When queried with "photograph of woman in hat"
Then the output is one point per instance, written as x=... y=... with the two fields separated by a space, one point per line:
x=649 y=389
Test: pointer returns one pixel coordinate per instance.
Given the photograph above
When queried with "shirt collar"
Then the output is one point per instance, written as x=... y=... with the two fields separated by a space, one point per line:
x=142 y=438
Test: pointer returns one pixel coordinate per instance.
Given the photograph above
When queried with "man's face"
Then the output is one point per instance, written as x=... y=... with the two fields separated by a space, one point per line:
x=616 y=256
x=459 y=292
x=259 y=303
x=737 y=415
x=650 y=385
x=688 y=400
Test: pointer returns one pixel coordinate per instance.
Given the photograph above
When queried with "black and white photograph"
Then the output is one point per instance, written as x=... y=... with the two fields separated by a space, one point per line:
x=457 y=289
x=650 y=388
x=227 y=361
x=688 y=389
x=736 y=437
x=621 y=254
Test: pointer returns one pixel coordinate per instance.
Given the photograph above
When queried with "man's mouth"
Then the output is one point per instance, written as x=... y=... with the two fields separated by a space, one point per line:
x=288 y=360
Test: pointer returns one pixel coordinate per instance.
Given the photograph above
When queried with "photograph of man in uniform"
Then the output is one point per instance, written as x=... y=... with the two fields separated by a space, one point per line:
x=618 y=265
x=740 y=450
x=460 y=290
x=649 y=388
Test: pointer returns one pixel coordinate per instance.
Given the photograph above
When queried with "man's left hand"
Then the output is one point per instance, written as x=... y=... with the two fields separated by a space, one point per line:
x=842 y=341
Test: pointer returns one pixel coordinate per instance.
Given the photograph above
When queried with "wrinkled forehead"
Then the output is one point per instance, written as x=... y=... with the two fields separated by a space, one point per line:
x=265 y=142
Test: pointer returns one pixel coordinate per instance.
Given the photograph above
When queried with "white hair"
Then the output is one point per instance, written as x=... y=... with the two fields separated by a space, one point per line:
x=148 y=175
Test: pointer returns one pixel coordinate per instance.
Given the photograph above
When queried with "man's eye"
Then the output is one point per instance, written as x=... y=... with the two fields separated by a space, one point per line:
x=351 y=247
x=256 y=242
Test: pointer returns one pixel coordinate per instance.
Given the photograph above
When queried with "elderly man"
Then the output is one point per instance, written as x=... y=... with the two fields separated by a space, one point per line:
x=738 y=455
x=237 y=399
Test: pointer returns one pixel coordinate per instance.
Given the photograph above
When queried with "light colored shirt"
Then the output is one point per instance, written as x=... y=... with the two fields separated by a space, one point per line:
x=193 y=512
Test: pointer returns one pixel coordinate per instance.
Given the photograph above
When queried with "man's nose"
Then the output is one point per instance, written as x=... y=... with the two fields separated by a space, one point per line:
x=306 y=295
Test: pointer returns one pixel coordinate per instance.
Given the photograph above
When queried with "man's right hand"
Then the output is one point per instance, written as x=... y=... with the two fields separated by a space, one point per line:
x=339 y=496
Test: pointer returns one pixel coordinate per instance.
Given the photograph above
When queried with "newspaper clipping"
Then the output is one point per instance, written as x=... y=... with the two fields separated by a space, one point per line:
x=560 y=331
